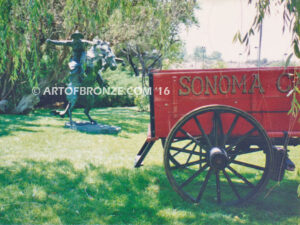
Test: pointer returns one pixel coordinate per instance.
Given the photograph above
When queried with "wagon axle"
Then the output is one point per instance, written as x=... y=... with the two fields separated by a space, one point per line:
x=218 y=158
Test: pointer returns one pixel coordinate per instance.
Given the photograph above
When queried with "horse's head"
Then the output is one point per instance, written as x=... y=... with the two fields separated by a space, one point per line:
x=103 y=52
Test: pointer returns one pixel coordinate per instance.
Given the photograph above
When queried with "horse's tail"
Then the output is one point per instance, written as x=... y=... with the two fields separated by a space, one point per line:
x=60 y=113
x=57 y=113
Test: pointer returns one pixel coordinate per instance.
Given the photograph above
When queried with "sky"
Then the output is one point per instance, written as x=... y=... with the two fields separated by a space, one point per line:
x=219 y=20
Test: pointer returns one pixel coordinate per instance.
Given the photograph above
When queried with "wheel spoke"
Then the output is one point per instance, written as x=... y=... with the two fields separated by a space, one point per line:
x=173 y=160
x=248 y=165
x=239 y=152
x=231 y=129
x=185 y=151
x=189 y=136
x=218 y=187
x=179 y=139
x=190 y=179
x=242 y=138
x=187 y=145
x=204 y=185
x=241 y=177
x=231 y=184
x=219 y=132
x=176 y=153
x=188 y=164
x=190 y=156
x=200 y=165
x=215 y=129
x=203 y=132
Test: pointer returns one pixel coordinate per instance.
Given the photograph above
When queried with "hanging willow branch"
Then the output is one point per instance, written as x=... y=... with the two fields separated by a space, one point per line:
x=291 y=19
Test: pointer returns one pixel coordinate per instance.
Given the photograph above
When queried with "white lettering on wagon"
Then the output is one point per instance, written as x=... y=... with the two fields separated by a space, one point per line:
x=223 y=84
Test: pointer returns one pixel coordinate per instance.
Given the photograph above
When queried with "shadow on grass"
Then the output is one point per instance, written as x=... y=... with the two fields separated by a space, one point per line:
x=129 y=119
x=56 y=192
x=13 y=123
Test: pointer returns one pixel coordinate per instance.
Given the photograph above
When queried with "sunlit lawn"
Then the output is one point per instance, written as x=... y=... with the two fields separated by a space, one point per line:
x=49 y=174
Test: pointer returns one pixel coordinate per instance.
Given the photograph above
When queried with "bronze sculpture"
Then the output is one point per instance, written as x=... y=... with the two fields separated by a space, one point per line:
x=84 y=64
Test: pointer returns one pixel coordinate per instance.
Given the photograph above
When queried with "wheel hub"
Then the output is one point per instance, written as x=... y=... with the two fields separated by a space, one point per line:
x=218 y=158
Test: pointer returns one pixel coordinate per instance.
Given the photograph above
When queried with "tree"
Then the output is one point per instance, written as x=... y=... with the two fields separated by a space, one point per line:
x=200 y=53
x=145 y=32
x=215 y=55
x=213 y=60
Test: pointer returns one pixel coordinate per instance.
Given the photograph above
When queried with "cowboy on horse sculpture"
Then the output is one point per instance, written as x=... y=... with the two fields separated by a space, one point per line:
x=82 y=64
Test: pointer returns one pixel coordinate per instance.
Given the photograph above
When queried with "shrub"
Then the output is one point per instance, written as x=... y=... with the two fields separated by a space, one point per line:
x=121 y=80
x=142 y=102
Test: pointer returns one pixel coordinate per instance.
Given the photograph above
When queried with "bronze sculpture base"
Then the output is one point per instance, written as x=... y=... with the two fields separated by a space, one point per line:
x=90 y=128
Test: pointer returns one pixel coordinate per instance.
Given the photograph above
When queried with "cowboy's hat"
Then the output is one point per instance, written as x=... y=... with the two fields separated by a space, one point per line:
x=77 y=34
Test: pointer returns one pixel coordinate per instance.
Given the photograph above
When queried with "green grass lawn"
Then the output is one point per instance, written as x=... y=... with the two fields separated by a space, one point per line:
x=52 y=175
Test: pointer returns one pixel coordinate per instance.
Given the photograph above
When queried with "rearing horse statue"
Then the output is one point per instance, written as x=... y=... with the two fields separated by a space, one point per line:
x=84 y=65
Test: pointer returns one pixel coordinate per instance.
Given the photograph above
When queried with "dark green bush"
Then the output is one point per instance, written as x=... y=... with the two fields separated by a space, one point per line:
x=122 y=80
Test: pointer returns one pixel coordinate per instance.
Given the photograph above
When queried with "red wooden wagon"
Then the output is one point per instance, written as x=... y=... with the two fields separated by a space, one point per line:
x=222 y=129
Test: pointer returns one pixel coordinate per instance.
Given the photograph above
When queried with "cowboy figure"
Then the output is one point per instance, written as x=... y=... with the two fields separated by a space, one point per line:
x=78 y=45
x=85 y=68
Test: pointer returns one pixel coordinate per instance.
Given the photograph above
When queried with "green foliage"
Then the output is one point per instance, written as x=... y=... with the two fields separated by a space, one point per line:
x=22 y=27
x=288 y=61
x=291 y=17
x=213 y=60
x=148 y=27
x=219 y=64
x=142 y=102
x=147 y=32
x=118 y=80
x=295 y=106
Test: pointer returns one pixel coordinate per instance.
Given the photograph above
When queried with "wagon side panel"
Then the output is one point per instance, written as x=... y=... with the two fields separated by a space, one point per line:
x=262 y=93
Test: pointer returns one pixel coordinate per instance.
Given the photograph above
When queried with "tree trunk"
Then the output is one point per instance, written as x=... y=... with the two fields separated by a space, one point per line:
x=134 y=67
x=142 y=62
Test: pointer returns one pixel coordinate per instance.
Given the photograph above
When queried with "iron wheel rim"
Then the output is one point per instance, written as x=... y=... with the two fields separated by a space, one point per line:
x=209 y=141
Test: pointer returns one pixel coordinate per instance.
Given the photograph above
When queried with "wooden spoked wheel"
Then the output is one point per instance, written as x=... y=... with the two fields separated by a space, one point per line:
x=207 y=155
